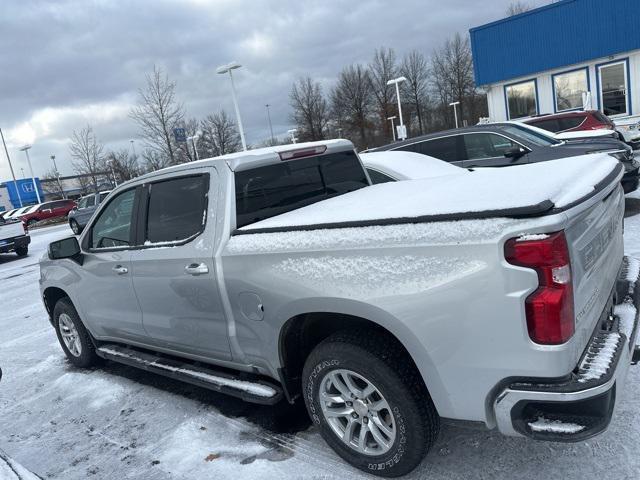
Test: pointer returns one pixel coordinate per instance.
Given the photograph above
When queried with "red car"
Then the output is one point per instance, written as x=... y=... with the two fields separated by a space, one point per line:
x=44 y=211
x=573 y=121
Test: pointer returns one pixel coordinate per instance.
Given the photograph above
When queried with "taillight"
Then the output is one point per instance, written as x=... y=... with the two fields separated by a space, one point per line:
x=549 y=310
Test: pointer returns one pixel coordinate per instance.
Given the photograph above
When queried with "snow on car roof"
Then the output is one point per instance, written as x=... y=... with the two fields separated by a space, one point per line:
x=408 y=165
x=561 y=182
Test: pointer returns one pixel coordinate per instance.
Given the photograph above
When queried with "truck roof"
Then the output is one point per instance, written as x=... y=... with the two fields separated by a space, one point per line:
x=254 y=158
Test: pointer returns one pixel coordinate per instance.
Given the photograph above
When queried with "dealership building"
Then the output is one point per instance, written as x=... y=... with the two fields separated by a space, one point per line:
x=561 y=57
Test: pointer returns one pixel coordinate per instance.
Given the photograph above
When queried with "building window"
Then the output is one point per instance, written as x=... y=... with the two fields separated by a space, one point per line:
x=613 y=81
x=522 y=99
x=568 y=88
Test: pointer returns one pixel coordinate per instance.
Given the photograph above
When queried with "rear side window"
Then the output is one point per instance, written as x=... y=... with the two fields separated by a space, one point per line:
x=91 y=201
x=601 y=117
x=486 y=145
x=265 y=192
x=568 y=123
x=551 y=124
x=177 y=209
x=378 y=177
x=445 y=148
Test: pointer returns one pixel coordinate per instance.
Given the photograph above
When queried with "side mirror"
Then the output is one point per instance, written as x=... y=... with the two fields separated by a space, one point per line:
x=514 y=153
x=66 y=248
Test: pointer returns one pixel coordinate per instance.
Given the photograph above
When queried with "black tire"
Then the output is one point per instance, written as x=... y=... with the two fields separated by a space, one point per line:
x=75 y=227
x=87 y=357
x=22 y=251
x=383 y=362
x=31 y=222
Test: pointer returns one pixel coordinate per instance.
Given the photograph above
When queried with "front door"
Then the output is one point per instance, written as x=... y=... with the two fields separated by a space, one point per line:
x=174 y=273
x=614 y=99
x=109 y=302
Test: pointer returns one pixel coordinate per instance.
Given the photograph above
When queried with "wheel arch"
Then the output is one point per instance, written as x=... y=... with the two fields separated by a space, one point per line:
x=51 y=296
x=302 y=331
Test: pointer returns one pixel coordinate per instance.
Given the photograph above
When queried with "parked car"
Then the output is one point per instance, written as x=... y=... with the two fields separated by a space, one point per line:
x=47 y=210
x=629 y=128
x=80 y=215
x=8 y=213
x=14 y=237
x=280 y=273
x=512 y=143
x=17 y=212
x=391 y=166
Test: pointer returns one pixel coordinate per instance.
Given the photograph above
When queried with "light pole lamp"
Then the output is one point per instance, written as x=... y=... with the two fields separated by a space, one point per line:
x=455 y=111
x=402 y=132
x=292 y=132
x=25 y=149
x=393 y=128
x=193 y=141
x=227 y=69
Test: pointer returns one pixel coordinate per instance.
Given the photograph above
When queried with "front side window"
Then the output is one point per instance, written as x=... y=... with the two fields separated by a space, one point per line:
x=521 y=100
x=569 y=88
x=530 y=135
x=613 y=88
x=177 y=209
x=91 y=201
x=486 y=145
x=113 y=227
x=83 y=202
x=265 y=192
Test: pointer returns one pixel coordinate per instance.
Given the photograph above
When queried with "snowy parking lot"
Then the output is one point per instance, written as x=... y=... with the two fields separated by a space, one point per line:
x=117 y=422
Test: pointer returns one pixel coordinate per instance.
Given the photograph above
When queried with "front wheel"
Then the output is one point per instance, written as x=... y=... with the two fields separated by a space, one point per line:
x=31 y=223
x=22 y=251
x=75 y=227
x=369 y=402
x=73 y=337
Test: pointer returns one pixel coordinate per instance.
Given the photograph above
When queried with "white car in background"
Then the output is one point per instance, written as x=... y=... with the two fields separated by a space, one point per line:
x=629 y=128
x=390 y=166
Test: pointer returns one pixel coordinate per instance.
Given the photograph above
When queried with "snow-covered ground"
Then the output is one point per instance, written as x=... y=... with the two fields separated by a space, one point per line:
x=117 y=422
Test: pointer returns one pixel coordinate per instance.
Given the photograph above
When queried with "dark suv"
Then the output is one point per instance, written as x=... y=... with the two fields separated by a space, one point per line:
x=509 y=143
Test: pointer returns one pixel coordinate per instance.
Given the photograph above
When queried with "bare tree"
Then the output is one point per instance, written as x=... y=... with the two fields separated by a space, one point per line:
x=87 y=155
x=158 y=113
x=310 y=109
x=219 y=135
x=184 y=151
x=517 y=8
x=382 y=69
x=415 y=69
x=51 y=186
x=352 y=101
x=153 y=160
x=124 y=165
x=452 y=73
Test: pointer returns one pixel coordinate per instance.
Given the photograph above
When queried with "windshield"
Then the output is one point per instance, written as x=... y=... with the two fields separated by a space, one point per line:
x=531 y=135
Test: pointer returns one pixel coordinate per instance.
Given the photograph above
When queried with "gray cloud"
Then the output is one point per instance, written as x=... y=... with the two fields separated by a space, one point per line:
x=71 y=62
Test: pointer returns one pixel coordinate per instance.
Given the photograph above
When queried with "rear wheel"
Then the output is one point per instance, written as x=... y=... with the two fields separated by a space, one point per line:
x=73 y=337
x=75 y=227
x=31 y=222
x=22 y=251
x=369 y=403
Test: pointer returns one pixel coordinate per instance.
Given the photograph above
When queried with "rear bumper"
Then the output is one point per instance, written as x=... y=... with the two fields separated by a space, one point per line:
x=582 y=404
x=14 y=243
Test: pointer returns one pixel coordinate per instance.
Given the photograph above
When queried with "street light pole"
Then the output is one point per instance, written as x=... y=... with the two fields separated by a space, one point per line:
x=193 y=142
x=273 y=141
x=25 y=149
x=13 y=175
x=401 y=130
x=455 y=111
x=227 y=69
x=55 y=168
x=292 y=132
x=393 y=128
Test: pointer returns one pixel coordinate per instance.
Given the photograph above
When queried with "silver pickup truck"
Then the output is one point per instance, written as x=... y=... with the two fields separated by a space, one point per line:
x=14 y=237
x=499 y=297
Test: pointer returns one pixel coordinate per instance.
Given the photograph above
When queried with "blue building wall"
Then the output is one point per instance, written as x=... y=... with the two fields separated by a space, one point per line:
x=556 y=35
x=27 y=192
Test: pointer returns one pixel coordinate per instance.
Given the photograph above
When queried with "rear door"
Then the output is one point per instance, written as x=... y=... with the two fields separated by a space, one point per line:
x=448 y=149
x=85 y=209
x=487 y=149
x=173 y=270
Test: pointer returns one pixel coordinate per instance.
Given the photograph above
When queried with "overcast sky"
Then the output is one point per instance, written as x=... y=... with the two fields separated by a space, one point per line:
x=66 y=63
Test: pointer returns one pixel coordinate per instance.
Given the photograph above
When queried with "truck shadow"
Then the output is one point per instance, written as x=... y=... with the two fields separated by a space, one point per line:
x=281 y=418
x=631 y=206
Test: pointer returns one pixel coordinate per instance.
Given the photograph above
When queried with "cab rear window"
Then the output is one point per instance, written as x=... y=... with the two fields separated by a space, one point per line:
x=265 y=192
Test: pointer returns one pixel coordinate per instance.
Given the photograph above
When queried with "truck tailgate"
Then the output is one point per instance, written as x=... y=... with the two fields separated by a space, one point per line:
x=594 y=237
x=10 y=230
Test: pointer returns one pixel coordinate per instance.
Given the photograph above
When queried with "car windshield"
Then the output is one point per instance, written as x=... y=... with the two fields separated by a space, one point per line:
x=32 y=209
x=531 y=135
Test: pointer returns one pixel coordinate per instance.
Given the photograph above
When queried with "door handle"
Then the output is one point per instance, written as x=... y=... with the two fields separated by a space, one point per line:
x=120 y=270
x=196 y=269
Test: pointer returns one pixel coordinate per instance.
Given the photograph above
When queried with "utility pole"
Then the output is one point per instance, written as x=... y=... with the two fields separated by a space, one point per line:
x=273 y=141
x=55 y=168
x=13 y=175
x=25 y=149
